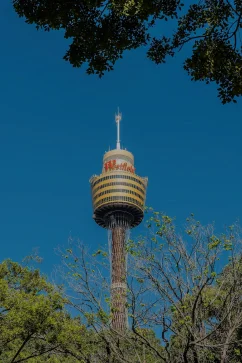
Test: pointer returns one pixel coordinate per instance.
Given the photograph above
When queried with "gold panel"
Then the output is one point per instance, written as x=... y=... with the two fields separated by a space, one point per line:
x=118 y=194
x=125 y=177
x=122 y=173
x=119 y=181
x=119 y=186
x=103 y=202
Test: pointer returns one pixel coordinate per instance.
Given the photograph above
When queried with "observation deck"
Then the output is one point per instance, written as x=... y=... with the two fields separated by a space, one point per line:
x=118 y=191
x=118 y=194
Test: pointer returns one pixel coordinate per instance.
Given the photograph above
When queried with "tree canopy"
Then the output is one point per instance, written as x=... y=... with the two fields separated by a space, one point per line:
x=183 y=301
x=34 y=325
x=102 y=30
x=184 y=293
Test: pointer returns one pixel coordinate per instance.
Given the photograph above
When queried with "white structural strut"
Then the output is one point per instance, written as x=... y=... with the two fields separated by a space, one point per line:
x=118 y=118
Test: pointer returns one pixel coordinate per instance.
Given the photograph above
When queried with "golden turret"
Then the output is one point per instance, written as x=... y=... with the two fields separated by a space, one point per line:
x=118 y=193
x=118 y=197
x=118 y=188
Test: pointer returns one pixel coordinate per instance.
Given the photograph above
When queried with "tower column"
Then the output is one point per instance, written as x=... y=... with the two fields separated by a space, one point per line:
x=118 y=197
x=118 y=279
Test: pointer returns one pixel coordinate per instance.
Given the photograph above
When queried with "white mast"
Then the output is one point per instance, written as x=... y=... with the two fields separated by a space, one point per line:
x=118 y=118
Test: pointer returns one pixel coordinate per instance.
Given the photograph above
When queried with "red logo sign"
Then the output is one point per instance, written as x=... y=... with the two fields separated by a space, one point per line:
x=111 y=165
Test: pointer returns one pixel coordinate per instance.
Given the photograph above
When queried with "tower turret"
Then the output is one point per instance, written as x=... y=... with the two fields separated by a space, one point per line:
x=118 y=197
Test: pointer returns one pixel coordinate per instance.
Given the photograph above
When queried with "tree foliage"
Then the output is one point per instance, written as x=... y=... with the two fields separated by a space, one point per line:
x=194 y=282
x=184 y=294
x=102 y=30
x=183 y=300
x=34 y=326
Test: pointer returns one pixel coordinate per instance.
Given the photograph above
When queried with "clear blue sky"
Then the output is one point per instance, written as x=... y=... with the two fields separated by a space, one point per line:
x=56 y=123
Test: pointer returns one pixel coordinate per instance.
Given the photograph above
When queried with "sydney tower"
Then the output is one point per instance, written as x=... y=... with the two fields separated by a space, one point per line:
x=118 y=196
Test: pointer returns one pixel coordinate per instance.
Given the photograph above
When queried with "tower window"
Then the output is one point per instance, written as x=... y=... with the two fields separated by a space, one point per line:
x=127 y=191
x=118 y=183
x=118 y=199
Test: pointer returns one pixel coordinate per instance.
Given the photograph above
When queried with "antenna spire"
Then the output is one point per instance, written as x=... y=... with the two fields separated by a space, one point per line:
x=118 y=118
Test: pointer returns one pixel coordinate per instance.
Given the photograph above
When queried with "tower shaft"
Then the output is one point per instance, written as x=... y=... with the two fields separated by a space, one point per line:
x=118 y=279
x=118 y=197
